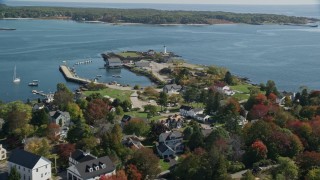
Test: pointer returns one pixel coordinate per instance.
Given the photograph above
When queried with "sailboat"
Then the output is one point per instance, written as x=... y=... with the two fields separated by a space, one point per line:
x=15 y=78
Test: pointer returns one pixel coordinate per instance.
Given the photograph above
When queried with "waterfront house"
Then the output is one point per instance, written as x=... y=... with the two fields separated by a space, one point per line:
x=113 y=62
x=172 y=88
x=61 y=118
x=170 y=143
x=3 y=153
x=30 y=166
x=79 y=156
x=223 y=88
x=91 y=170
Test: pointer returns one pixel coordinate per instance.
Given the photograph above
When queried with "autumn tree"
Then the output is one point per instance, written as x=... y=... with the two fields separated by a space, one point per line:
x=256 y=152
x=64 y=152
x=175 y=99
x=146 y=162
x=156 y=129
x=53 y=130
x=62 y=96
x=133 y=172
x=137 y=127
x=308 y=160
x=120 y=175
x=74 y=111
x=96 y=111
x=258 y=111
x=39 y=146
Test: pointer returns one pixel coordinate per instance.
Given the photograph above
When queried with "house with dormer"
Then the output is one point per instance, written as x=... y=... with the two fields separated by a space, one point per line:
x=79 y=156
x=172 y=89
x=92 y=170
x=170 y=143
x=30 y=166
x=61 y=118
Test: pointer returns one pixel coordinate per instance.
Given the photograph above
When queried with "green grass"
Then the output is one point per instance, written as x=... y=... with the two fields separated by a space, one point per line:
x=240 y=96
x=131 y=54
x=164 y=165
x=244 y=88
x=142 y=115
x=113 y=93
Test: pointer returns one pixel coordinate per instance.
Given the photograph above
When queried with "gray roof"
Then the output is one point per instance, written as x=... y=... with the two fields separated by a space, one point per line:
x=172 y=86
x=81 y=156
x=187 y=108
x=25 y=158
x=206 y=132
x=83 y=168
x=162 y=147
x=60 y=113
x=142 y=63
x=114 y=60
x=168 y=135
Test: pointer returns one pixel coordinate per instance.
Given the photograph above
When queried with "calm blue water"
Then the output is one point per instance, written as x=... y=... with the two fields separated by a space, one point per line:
x=289 y=55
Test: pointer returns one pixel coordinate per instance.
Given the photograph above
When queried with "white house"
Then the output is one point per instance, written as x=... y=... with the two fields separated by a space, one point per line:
x=92 y=169
x=184 y=110
x=222 y=88
x=170 y=143
x=61 y=118
x=202 y=117
x=3 y=153
x=29 y=165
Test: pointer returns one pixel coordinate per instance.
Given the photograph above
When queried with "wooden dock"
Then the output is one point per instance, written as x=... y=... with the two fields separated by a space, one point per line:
x=70 y=76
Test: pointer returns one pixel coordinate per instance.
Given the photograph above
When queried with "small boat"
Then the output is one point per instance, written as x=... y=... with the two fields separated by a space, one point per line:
x=99 y=75
x=116 y=76
x=34 y=91
x=15 y=78
x=33 y=84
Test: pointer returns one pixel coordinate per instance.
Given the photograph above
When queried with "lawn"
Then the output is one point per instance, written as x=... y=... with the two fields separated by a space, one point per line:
x=131 y=54
x=164 y=165
x=241 y=96
x=113 y=93
x=143 y=115
x=244 y=88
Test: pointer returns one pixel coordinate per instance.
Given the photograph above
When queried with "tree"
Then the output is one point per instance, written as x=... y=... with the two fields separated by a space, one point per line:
x=271 y=88
x=304 y=98
x=228 y=78
x=74 y=111
x=126 y=105
x=213 y=102
x=137 y=127
x=96 y=111
x=163 y=99
x=151 y=110
x=133 y=172
x=175 y=99
x=53 y=130
x=313 y=174
x=63 y=96
x=146 y=162
x=88 y=143
x=39 y=118
x=120 y=175
x=64 y=152
x=78 y=131
x=14 y=174
x=196 y=139
x=119 y=111
x=156 y=129
x=187 y=133
x=256 y=152
x=190 y=95
x=308 y=160
x=39 y=146
x=287 y=168
x=258 y=111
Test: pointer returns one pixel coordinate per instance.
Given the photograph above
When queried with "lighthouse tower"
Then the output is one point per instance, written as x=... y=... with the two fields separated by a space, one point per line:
x=165 y=49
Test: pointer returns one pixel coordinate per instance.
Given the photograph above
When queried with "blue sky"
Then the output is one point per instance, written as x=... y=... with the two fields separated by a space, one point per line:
x=192 y=1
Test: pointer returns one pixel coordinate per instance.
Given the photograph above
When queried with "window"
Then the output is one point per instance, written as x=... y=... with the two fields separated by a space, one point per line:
x=37 y=170
x=90 y=169
x=41 y=175
x=46 y=166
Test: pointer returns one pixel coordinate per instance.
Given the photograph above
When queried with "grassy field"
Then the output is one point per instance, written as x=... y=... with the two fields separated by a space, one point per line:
x=164 y=165
x=131 y=54
x=244 y=88
x=241 y=96
x=113 y=93
x=143 y=115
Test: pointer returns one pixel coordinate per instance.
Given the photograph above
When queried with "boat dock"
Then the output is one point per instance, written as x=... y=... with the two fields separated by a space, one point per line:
x=70 y=76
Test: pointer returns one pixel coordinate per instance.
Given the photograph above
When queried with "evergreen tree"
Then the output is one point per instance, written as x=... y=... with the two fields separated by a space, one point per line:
x=163 y=99
x=228 y=78
x=14 y=174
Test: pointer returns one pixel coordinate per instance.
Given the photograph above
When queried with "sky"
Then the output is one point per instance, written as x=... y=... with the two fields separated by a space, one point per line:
x=192 y=1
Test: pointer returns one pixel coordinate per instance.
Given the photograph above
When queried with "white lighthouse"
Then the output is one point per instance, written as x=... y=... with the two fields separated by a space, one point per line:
x=165 y=49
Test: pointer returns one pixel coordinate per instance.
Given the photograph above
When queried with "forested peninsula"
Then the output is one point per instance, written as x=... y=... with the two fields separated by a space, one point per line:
x=147 y=16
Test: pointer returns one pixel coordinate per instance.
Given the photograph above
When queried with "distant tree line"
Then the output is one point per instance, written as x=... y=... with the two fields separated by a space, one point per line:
x=146 y=16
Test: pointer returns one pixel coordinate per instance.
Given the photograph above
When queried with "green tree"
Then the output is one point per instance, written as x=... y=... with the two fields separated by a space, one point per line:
x=248 y=176
x=228 y=78
x=78 y=131
x=187 y=133
x=74 y=110
x=313 y=174
x=119 y=111
x=271 y=88
x=151 y=110
x=40 y=117
x=62 y=96
x=39 y=146
x=286 y=168
x=126 y=105
x=137 y=127
x=163 y=99
x=14 y=174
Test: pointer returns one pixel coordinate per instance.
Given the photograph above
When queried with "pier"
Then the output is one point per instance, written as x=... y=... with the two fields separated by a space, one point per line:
x=70 y=76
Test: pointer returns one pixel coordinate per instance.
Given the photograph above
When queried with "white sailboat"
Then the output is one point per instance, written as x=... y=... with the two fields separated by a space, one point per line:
x=15 y=78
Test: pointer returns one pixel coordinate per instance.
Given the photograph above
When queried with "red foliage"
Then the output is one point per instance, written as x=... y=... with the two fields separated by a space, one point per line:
x=120 y=175
x=199 y=151
x=258 y=111
x=260 y=98
x=133 y=172
x=65 y=150
x=53 y=130
x=259 y=147
x=97 y=109
x=315 y=94
x=272 y=97
x=307 y=160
